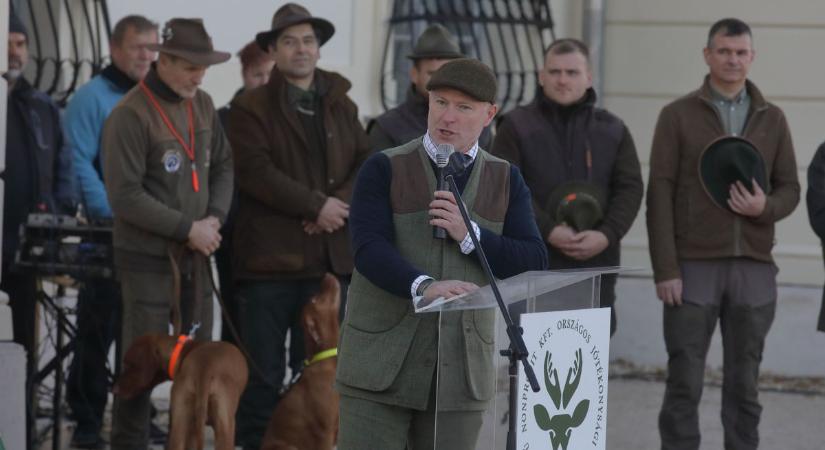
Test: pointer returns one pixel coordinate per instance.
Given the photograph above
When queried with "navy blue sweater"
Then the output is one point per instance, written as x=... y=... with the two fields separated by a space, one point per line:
x=518 y=249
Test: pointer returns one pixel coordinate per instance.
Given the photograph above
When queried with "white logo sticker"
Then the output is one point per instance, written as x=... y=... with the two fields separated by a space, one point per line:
x=171 y=161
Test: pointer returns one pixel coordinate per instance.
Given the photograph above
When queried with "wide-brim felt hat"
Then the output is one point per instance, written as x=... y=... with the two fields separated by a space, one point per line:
x=578 y=204
x=188 y=39
x=291 y=14
x=727 y=160
x=436 y=42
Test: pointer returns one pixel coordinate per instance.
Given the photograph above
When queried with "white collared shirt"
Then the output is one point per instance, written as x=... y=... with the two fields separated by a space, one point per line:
x=466 y=244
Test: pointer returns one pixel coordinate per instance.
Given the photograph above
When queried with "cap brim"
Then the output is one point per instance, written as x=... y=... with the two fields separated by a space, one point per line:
x=325 y=27
x=199 y=58
x=440 y=55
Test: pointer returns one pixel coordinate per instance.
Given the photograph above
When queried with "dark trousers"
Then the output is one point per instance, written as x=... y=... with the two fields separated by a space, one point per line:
x=147 y=297
x=22 y=291
x=741 y=295
x=607 y=297
x=266 y=311
x=223 y=262
x=607 y=285
x=98 y=319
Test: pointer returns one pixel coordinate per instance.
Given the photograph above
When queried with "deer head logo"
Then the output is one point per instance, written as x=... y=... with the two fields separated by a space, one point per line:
x=561 y=425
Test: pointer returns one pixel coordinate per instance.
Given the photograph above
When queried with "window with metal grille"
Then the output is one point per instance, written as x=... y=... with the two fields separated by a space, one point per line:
x=67 y=41
x=508 y=35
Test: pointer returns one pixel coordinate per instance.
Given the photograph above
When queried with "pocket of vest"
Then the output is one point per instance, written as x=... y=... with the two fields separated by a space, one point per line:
x=479 y=355
x=484 y=321
x=372 y=361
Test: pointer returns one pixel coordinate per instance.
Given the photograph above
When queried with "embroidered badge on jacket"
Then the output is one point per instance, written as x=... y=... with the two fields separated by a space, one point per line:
x=171 y=161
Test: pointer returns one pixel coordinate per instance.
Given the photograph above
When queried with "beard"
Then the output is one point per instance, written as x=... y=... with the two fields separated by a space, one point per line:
x=15 y=69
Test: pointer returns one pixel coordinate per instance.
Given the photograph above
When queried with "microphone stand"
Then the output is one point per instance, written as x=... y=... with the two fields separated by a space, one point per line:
x=517 y=350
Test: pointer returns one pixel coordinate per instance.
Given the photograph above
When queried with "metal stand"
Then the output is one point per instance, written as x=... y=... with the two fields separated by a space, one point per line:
x=64 y=345
x=517 y=351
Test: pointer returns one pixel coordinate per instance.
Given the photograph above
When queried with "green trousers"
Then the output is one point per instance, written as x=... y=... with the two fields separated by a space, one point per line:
x=368 y=425
x=146 y=300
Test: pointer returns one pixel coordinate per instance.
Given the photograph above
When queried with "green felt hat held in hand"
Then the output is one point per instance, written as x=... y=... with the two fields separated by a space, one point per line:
x=578 y=204
x=727 y=160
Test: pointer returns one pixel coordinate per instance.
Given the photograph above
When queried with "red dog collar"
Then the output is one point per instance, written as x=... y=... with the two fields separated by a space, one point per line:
x=173 y=360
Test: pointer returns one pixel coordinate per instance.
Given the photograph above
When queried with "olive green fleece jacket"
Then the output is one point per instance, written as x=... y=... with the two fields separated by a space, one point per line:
x=148 y=174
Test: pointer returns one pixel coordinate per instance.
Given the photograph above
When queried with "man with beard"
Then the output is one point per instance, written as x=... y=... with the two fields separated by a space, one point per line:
x=38 y=178
x=168 y=173
x=298 y=144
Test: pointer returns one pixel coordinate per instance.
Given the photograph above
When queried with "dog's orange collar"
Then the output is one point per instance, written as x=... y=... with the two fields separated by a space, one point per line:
x=173 y=360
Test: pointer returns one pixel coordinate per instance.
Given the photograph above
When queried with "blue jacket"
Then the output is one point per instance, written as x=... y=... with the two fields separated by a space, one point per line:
x=38 y=175
x=83 y=124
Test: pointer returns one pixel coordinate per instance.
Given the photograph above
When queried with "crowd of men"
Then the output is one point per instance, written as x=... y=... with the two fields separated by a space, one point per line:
x=284 y=185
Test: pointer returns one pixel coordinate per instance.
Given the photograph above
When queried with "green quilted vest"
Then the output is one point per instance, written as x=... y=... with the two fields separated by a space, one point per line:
x=387 y=352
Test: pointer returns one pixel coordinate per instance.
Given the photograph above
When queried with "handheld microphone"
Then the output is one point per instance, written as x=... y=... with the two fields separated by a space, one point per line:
x=442 y=159
x=456 y=165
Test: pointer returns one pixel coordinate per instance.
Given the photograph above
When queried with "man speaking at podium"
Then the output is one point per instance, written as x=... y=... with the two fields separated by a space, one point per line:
x=387 y=352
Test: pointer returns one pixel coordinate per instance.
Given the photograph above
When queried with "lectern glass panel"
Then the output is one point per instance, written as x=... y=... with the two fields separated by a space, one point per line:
x=472 y=391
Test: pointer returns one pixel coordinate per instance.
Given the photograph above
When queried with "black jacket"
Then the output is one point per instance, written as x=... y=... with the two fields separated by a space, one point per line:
x=38 y=175
x=548 y=142
x=815 y=198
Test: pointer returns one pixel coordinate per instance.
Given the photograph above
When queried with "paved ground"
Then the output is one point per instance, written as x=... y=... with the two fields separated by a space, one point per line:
x=793 y=417
x=790 y=421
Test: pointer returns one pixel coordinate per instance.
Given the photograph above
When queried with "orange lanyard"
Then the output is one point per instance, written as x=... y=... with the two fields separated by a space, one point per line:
x=190 y=150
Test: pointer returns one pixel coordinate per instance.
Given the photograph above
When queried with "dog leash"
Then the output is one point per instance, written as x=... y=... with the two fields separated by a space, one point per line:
x=234 y=331
x=175 y=306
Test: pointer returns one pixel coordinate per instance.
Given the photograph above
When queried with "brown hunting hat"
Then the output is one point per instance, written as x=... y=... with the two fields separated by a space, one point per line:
x=436 y=42
x=187 y=38
x=467 y=75
x=289 y=15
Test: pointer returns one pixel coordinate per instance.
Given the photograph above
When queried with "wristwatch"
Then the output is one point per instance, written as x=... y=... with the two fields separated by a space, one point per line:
x=422 y=286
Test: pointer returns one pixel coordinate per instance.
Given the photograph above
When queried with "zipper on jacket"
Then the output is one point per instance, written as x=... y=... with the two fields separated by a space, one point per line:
x=737 y=220
x=737 y=235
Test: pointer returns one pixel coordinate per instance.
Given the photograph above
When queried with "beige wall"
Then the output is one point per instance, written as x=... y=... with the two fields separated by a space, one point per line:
x=652 y=52
x=653 y=55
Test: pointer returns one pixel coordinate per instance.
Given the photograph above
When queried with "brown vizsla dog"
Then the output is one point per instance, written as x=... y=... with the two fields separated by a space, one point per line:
x=306 y=418
x=207 y=381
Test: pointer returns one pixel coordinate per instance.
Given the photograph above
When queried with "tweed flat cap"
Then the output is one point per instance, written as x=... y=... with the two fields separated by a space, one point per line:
x=467 y=75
